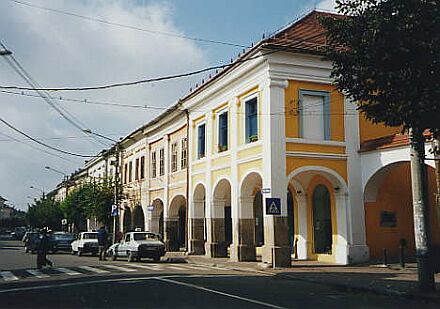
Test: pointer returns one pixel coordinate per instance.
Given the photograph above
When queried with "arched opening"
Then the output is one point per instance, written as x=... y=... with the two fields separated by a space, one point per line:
x=221 y=220
x=127 y=220
x=251 y=217
x=322 y=220
x=156 y=223
x=139 y=218
x=389 y=211
x=176 y=225
x=198 y=221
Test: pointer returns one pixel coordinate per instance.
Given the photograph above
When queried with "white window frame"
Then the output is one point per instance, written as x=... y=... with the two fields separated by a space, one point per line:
x=228 y=145
x=243 y=104
x=326 y=108
x=206 y=144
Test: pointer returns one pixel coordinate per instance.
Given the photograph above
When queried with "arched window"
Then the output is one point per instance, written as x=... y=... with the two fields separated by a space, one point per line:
x=322 y=220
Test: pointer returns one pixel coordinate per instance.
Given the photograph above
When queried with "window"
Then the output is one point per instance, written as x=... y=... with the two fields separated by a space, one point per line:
x=136 y=171
x=314 y=115
x=153 y=165
x=251 y=113
x=174 y=157
x=201 y=141
x=130 y=171
x=223 y=132
x=125 y=172
x=184 y=153
x=142 y=167
x=161 y=162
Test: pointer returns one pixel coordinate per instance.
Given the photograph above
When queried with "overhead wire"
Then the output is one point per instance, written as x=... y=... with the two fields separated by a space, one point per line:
x=11 y=138
x=44 y=144
x=112 y=23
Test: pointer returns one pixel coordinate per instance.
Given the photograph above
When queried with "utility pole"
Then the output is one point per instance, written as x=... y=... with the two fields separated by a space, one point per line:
x=116 y=191
x=436 y=151
x=420 y=210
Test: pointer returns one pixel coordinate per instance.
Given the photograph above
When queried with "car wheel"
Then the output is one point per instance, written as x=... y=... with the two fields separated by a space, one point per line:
x=156 y=258
x=79 y=253
x=73 y=252
x=130 y=257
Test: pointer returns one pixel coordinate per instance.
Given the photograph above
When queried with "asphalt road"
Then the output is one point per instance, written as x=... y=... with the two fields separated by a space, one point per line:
x=85 y=282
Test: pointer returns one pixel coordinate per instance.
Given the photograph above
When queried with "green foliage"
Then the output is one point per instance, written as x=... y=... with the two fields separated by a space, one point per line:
x=45 y=212
x=386 y=57
x=88 y=201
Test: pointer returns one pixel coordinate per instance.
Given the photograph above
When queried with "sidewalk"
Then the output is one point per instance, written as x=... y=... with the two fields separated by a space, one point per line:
x=391 y=280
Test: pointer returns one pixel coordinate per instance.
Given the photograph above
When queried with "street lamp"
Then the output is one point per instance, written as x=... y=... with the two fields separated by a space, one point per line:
x=55 y=170
x=5 y=52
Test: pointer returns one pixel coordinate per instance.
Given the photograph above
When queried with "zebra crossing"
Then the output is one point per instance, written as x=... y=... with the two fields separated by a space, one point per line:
x=157 y=268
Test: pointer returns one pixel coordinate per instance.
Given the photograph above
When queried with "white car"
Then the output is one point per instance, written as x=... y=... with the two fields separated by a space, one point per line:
x=137 y=245
x=87 y=242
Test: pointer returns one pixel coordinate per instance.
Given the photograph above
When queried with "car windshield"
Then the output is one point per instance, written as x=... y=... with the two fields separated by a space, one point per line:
x=90 y=236
x=63 y=236
x=145 y=236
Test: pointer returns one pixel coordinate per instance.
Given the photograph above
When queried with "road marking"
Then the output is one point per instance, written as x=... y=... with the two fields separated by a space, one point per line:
x=68 y=271
x=254 y=301
x=175 y=267
x=8 y=276
x=94 y=269
x=194 y=267
x=37 y=273
x=119 y=268
x=150 y=267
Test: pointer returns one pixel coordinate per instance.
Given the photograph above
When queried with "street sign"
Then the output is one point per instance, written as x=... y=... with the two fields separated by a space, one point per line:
x=150 y=207
x=273 y=206
x=265 y=190
x=114 y=210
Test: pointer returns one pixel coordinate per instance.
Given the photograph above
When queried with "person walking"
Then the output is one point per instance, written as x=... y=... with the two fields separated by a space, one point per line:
x=102 y=242
x=42 y=248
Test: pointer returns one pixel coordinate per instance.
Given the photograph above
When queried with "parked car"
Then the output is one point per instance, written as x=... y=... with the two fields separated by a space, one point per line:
x=31 y=241
x=137 y=245
x=61 y=241
x=87 y=242
x=18 y=233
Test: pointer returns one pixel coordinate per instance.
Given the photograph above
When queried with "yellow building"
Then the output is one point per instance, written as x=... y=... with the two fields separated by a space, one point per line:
x=268 y=160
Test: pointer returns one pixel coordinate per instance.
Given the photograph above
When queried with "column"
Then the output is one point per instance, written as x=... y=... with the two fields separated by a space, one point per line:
x=170 y=224
x=276 y=249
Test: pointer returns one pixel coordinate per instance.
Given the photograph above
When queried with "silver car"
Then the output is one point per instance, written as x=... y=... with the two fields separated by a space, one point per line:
x=137 y=245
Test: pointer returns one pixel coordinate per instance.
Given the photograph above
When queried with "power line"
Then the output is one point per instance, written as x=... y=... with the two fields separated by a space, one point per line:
x=11 y=138
x=288 y=48
x=54 y=138
x=43 y=144
x=107 y=22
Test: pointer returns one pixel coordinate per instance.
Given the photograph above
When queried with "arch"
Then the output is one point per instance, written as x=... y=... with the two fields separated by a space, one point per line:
x=176 y=225
x=322 y=220
x=139 y=218
x=248 y=183
x=126 y=219
x=222 y=185
x=310 y=170
x=157 y=215
x=221 y=218
x=198 y=220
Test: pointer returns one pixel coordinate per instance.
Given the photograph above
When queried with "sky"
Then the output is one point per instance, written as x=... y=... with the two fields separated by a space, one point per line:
x=59 y=50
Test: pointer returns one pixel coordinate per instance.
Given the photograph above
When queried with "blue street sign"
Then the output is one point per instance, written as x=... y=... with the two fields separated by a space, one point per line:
x=273 y=206
x=114 y=210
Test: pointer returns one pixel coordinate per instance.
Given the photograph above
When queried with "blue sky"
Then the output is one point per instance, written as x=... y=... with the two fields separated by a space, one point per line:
x=61 y=51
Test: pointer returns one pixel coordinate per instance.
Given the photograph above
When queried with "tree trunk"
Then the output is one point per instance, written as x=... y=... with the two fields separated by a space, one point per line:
x=421 y=210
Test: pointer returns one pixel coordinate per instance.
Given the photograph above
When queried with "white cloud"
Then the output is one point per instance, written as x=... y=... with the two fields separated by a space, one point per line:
x=327 y=5
x=59 y=50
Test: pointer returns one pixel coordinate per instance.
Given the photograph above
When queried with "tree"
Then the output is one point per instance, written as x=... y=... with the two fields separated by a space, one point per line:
x=45 y=212
x=385 y=56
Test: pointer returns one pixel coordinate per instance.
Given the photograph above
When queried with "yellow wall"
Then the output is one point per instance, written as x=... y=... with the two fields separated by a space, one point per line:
x=339 y=166
x=336 y=108
x=250 y=152
x=368 y=130
x=315 y=148
x=395 y=196
x=245 y=167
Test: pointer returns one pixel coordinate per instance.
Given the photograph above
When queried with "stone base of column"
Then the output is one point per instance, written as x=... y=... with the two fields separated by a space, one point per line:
x=243 y=253
x=171 y=243
x=197 y=246
x=276 y=256
x=215 y=250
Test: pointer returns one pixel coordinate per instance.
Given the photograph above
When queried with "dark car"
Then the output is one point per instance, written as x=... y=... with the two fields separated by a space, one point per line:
x=31 y=242
x=61 y=241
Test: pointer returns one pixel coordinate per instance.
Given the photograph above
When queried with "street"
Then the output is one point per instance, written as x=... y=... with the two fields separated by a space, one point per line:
x=86 y=282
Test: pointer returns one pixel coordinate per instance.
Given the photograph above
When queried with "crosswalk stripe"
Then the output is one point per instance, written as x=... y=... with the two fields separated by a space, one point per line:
x=94 y=269
x=8 y=276
x=37 y=273
x=68 y=271
x=119 y=268
x=150 y=267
